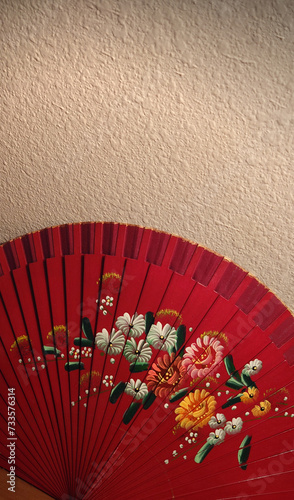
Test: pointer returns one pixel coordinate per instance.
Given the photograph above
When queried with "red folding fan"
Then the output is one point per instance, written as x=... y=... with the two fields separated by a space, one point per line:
x=135 y=364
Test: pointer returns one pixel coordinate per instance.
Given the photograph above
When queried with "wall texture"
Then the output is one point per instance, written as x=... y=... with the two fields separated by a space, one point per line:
x=173 y=114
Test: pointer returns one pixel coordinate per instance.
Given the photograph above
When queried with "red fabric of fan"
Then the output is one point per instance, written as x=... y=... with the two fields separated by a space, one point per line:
x=135 y=364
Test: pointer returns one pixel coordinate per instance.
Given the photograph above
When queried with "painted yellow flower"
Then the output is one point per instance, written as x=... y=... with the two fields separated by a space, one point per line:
x=195 y=410
x=262 y=409
x=250 y=395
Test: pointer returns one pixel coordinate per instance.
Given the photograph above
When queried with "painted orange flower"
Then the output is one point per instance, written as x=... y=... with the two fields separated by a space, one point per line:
x=250 y=395
x=164 y=377
x=195 y=410
x=262 y=409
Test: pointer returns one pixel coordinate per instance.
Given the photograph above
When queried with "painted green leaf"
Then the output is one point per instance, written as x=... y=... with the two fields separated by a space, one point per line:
x=117 y=391
x=149 y=320
x=51 y=350
x=232 y=401
x=138 y=367
x=247 y=380
x=203 y=452
x=244 y=452
x=148 y=400
x=87 y=329
x=180 y=394
x=234 y=383
x=229 y=364
x=131 y=411
x=83 y=342
x=181 y=336
x=74 y=365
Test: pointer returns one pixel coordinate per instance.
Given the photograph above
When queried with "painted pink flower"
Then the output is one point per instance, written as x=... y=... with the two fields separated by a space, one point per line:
x=200 y=358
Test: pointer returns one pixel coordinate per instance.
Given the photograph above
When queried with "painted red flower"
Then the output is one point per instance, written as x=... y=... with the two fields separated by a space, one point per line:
x=165 y=376
x=202 y=356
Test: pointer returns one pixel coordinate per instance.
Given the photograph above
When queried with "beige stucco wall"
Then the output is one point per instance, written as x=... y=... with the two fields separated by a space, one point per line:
x=174 y=114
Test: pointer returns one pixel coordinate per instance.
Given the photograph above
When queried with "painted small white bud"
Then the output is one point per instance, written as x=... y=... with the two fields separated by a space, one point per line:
x=80 y=397
x=247 y=413
x=276 y=409
x=90 y=355
x=166 y=406
x=72 y=403
x=85 y=404
x=185 y=457
x=62 y=355
x=234 y=407
x=191 y=434
x=33 y=368
x=189 y=441
x=207 y=384
x=286 y=414
x=227 y=392
x=111 y=377
x=112 y=361
x=166 y=462
x=94 y=390
x=29 y=360
x=39 y=358
x=190 y=329
x=86 y=391
x=181 y=446
x=218 y=375
x=106 y=377
x=104 y=312
x=103 y=301
x=219 y=393
x=285 y=398
x=20 y=360
x=101 y=308
x=43 y=366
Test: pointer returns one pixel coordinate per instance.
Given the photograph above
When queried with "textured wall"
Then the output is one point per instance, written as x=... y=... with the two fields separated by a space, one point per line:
x=174 y=114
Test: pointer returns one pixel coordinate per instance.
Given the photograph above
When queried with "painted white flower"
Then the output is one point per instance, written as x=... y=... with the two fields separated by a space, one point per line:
x=162 y=337
x=132 y=326
x=217 y=421
x=234 y=426
x=136 y=389
x=112 y=344
x=141 y=352
x=252 y=367
x=216 y=437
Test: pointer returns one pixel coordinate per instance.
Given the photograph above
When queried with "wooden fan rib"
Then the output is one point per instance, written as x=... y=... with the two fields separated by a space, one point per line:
x=23 y=404
x=43 y=413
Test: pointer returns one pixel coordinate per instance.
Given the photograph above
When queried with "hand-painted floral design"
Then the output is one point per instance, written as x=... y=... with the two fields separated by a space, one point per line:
x=201 y=357
x=162 y=337
x=195 y=410
x=140 y=353
x=216 y=437
x=261 y=409
x=252 y=367
x=22 y=344
x=136 y=389
x=218 y=421
x=165 y=376
x=58 y=336
x=131 y=326
x=250 y=395
x=234 y=426
x=112 y=344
